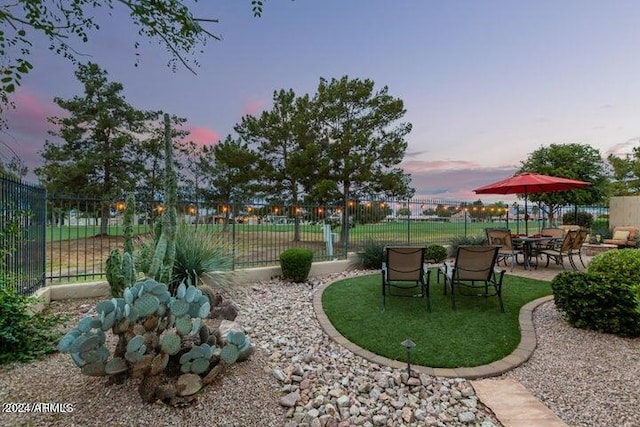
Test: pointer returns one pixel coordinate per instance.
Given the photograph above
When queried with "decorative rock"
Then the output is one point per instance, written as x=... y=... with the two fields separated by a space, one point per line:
x=467 y=417
x=305 y=384
x=379 y=420
x=280 y=376
x=289 y=401
x=328 y=386
x=407 y=415
x=343 y=401
x=413 y=382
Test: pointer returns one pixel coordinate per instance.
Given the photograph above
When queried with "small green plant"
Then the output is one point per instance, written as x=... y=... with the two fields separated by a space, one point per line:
x=456 y=241
x=583 y=219
x=24 y=336
x=372 y=255
x=435 y=253
x=296 y=264
x=598 y=302
x=120 y=270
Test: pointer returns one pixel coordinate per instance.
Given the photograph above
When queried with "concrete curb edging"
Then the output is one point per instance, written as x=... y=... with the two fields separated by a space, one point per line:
x=521 y=354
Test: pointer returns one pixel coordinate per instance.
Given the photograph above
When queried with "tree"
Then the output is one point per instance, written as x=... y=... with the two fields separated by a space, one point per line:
x=574 y=161
x=626 y=174
x=150 y=158
x=65 y=22
x=100 y=137
x=228 y=169
x=10 y=163
x=361 y=140
x=285 y=138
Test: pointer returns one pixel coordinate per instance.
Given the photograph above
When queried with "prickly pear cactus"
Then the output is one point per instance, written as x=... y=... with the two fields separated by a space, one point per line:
x=159 y=335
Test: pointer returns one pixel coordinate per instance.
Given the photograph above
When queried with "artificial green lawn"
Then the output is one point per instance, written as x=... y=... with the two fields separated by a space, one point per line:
x=476 y=333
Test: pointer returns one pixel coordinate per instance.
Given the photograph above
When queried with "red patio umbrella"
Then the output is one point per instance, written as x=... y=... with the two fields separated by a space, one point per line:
x=529 y=183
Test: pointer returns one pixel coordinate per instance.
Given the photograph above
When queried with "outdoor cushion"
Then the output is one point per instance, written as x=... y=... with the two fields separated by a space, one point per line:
x=620 y=235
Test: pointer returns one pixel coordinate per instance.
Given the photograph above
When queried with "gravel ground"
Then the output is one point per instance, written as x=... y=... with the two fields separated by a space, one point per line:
x=586 y=378
x=299 y=377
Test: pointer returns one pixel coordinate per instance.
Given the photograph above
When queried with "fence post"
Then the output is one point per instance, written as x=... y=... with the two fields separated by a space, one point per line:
x=233 y=235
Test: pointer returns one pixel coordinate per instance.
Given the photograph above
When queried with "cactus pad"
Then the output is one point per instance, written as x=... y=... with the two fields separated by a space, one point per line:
x=85 y=324
x=133 y=356
x=204 y=310
x=135 y=343
x=64 y=345
x=170 y=343
x=115 y=366
x=179 y=307
x=159 y=362
x=78 y=360
x=109 y=321
x=147 y=304
x=182 y=290
x=185 y=368
x=128 y=296
x=183 y=325
x=207 y=350
x=188 y=384
x=190 y=295
x=121 y=326
x=229 y=354
x=236 y=337
x=94 y=369
x=199 y=365
x=197 y=322
x=105 y=307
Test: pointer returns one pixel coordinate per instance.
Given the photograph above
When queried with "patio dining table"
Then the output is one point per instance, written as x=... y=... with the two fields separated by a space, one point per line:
x=528 y=243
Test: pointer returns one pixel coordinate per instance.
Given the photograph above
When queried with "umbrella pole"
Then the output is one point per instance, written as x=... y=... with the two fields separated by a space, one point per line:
x=526 y=214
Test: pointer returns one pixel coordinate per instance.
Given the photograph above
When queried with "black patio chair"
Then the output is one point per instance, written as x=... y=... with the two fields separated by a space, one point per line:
x=474 y=269
x=404 y=264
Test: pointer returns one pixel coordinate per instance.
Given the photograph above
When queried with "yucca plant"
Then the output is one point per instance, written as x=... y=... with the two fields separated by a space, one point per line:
x=198 y=252
x=372 y=255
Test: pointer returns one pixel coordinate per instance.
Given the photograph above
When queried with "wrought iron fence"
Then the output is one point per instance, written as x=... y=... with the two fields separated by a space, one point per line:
x=22 y=235
x=82 y=232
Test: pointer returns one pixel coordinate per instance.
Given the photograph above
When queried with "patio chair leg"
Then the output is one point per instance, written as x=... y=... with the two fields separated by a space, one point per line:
x=453 y=298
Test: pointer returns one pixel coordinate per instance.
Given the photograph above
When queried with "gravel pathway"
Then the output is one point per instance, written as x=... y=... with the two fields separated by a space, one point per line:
x=299 y=377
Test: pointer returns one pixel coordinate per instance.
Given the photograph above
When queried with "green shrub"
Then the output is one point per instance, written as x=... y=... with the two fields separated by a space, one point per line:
x=598 y=302
x=479 y=240
x=372 y=255
x=435 y=253
x=622 y=266
x=296 y=264
x=583 y=219
x=24 y=336
x=198 y=252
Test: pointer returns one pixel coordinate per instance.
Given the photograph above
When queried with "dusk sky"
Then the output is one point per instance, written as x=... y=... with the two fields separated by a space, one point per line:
x=484 y=83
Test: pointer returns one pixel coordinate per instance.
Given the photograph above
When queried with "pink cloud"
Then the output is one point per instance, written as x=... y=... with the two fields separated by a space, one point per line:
x=429 y=165
x=253 y=107
x=202 y=135
x=31 y=113
x=28 y=127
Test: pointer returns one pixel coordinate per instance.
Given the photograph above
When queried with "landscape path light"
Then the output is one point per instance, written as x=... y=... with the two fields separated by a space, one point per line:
x=408 y=344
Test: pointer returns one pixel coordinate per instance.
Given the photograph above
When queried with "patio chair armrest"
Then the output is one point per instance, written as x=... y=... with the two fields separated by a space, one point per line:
x=498 y=274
